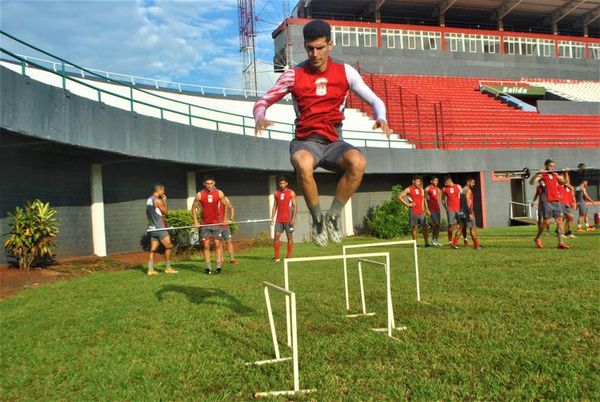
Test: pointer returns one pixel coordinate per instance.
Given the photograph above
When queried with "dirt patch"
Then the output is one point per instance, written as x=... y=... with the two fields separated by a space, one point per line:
x=13 y=280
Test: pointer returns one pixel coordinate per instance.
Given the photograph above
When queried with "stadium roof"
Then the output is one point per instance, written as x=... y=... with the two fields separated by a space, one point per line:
x=529 y=15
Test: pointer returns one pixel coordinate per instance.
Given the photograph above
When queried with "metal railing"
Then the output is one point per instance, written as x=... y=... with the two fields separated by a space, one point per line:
x=245 y=123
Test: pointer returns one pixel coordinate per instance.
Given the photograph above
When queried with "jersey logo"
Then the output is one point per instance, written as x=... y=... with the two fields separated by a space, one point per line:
x=451 y=191
x=210 y=198
x=416 y=192
x=282 y=197
x=321 y=84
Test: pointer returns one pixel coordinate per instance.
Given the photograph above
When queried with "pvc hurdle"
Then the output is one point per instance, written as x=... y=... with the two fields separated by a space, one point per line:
x=292 y=325
x=391 y=323
x=388 y=243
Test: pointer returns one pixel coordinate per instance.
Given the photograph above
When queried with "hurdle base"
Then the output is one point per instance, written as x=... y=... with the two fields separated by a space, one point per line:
x=359 y=315
x=400 y=328
x=280 y=393
x=270 y=361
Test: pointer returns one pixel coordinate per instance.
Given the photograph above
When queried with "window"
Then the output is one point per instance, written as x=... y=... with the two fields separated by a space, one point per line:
x=594 y=51
x=545 y=48
x=412 y=40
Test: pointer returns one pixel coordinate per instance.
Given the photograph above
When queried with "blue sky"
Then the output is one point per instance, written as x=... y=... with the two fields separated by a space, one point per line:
x=186 y=41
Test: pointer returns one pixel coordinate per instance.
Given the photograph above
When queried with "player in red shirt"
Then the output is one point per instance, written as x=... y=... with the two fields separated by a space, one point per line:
x=209 y=200
x=451 y=202
x=414 y=198
x=432 y=194
x=552 y=207
x=283 y=216
x=319 y=88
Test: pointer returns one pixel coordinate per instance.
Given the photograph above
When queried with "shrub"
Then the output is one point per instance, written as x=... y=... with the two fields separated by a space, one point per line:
x=32 y=233
x=390 y=219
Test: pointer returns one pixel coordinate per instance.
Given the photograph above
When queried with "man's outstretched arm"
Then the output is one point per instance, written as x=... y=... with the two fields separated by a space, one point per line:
x=358 y=86
x=282 y=87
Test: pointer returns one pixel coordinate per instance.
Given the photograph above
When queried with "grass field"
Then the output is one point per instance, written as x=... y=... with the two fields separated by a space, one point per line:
x=506 y=322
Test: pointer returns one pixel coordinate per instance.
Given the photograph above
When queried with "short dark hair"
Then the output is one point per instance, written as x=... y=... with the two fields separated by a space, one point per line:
x=417 y=177
x=469 y=178
x=158 y=185
x=316 y=29
x=208 y=177
x=282 y=178
x=547 y=162
x=447 y=177
x=433 y=178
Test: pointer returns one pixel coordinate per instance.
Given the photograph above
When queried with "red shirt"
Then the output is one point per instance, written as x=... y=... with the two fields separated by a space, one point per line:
x=552 y=187
x=416 y=193
x=433 y=200
x=210 y=202
x=453 y=197
x=567 y=196
x=284 y=203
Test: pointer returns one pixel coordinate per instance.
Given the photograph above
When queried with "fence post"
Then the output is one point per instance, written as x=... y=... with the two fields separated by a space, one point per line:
x=418 y=120
x=402 y=112
x=131 y=98
x=62 y=73
x=23 y=66
x=190 y=113
x=435 y=118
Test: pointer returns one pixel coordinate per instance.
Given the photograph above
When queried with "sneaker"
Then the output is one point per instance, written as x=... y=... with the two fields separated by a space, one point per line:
x=580 y=230
x=207 y=271
x=152 y=272
x=276 y=260
x=465 y=243
x=218 y=270
x=427 y=245
x=563 y=246
x=170 y=271
x=319 y=233
x=454 y=246
x=233 y=261
x=572 y=236
x=333 y=230
x=538 y=243
x=478 y=247
x=590 y=229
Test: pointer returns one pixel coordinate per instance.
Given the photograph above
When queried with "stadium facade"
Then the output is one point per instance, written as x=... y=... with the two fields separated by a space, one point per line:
x=96 y=162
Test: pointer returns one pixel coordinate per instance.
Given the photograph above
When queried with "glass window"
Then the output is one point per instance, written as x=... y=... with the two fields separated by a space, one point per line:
x=594 y=51
x=391 y=41
x=412 y=40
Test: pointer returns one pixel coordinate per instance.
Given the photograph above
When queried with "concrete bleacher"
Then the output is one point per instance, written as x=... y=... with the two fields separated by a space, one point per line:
x=574 y=90
x=452 y=113
x=220 y=113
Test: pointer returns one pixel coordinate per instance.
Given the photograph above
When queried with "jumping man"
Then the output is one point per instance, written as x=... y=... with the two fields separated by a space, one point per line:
x=413 y=198
x=156 y=210
x=283 y=216
x=209 y=199
x=551 y=207
x=319 y=88
x=432 y=192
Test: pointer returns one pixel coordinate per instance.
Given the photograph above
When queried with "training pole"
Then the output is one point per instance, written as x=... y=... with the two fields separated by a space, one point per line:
x=209 y=225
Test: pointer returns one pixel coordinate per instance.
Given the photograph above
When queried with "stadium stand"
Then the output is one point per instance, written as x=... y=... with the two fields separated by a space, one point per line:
x=574 y=90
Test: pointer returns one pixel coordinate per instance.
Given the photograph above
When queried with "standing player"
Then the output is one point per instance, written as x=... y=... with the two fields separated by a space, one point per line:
x=568 y=203
x=418 y=208
x=226 y=230
x=467 y=214
x=209 y=200
x=451 y=201
x=156 y=210
x=319 y=88
x=582 y=197
x=432 y=192
x=283 y=216
x=551 y=207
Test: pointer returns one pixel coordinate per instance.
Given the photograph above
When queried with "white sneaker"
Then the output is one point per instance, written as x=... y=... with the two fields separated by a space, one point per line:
x=319 y=233
x=333 y=229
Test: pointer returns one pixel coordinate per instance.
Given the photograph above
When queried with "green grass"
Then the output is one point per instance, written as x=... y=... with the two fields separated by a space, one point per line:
x=506 y=322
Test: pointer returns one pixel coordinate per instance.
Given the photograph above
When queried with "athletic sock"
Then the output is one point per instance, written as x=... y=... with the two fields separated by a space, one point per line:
x=276 y=247
x=475 y=242
x=231 y=256
x=150 y=265
x=449 y=234
x=290 y=246
x=167 y=264
x=208 y=265
x=336 y=208
x=315 y=212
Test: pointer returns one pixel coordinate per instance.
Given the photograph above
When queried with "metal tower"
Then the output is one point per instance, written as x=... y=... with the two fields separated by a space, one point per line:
x=247 y=43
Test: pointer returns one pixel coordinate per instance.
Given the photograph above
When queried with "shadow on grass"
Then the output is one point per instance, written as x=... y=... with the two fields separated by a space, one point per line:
x=209 y=296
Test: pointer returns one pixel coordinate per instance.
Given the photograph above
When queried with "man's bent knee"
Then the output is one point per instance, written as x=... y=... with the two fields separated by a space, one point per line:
x=303 y=161
x=355 y=161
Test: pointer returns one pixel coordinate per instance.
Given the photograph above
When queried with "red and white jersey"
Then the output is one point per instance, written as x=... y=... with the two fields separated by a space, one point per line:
x=211 y=206
x=416 y=194
x=567 y=196
x=433 y=198
x=453 y=197
x=552 y=187
x=319 y=98
x=284 y=205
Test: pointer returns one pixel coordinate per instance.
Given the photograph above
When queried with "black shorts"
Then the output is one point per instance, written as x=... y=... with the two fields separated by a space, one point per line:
x=327 y=154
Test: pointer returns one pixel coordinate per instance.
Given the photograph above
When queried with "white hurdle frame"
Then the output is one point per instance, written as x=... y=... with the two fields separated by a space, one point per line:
x=387 y=243
x=292 y=324
x=391 y=322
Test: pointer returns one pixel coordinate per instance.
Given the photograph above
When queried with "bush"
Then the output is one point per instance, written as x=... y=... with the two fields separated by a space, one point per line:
x=32 y=233
x=390 y=219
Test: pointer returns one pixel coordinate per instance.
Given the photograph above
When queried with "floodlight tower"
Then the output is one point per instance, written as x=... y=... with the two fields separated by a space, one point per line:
x=247 y=43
